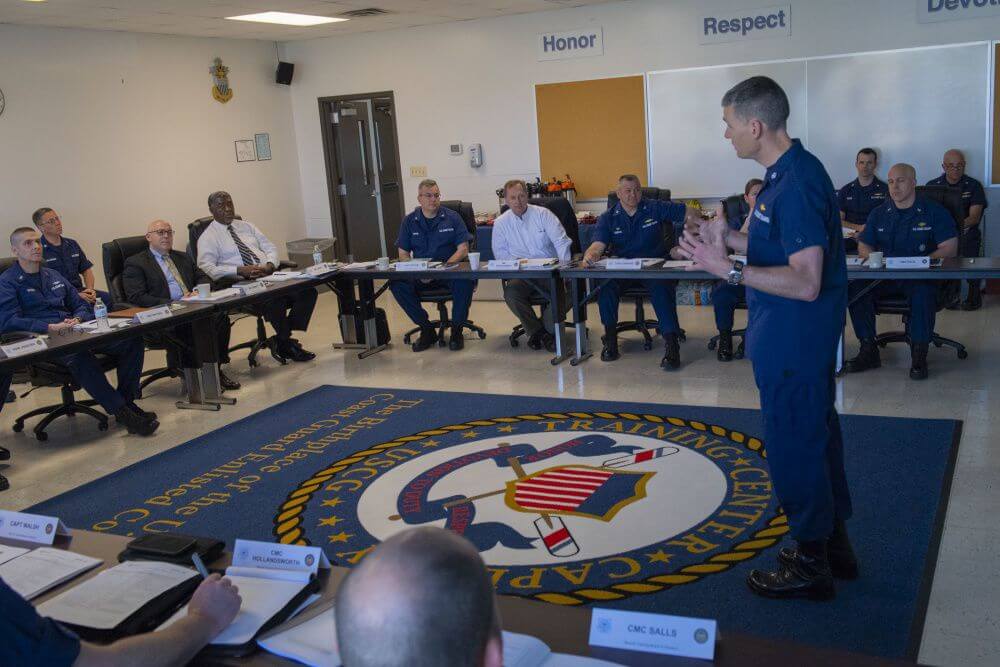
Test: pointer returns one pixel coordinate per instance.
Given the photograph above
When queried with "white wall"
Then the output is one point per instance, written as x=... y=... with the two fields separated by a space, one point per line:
x=115 y=129
x=473 y=81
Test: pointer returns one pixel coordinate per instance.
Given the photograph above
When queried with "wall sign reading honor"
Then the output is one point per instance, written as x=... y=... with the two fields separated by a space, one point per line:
x=759 y=23
x=582 y=43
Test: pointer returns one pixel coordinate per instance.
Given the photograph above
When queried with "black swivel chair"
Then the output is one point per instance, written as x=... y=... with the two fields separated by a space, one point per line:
x=51 y=373
x=115 y=253
x=441 y=296
x=262 y=340
x=949 y=291
x=736 y=211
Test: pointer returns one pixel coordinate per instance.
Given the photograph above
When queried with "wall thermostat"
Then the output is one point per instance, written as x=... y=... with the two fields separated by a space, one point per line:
x=455 y=149
x=476 y=155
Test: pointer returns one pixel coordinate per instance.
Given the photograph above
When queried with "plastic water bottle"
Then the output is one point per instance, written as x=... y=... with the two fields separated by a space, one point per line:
x=317 y=255
x=101 y=315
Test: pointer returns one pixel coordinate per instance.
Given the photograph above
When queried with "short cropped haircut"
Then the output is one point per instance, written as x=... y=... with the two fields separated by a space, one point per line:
x=17 y=232
x=511 y=183
x=867 y=151
x=750 y=185
x=427 y=183
x=631 y=178
x=216 y=195
x=759 y=97
x=36 y=217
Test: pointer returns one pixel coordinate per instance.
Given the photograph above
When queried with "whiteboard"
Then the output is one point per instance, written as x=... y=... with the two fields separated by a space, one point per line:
x=910 y=105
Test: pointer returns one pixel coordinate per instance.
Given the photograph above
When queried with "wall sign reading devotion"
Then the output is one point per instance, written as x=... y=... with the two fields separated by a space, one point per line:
x=749 y=24
x=931 y=11
x=582 y=43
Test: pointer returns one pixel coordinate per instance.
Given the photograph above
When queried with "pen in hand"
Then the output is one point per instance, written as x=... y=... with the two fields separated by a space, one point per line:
x=199 y=565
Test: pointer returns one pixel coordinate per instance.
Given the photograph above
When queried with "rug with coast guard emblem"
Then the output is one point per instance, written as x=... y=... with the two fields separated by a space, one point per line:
x=658 y=508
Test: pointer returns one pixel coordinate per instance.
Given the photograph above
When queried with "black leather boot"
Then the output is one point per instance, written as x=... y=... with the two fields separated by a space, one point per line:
x=807 y=576
x=610 y=350
x=839 y=552
x=868 y=357
x=428 y=336
x=457 y=340
x=671 y=353
x=725 y=350
x=918 y=363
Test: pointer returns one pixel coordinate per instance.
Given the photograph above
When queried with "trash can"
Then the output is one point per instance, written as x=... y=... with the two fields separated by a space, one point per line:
x=301 y=251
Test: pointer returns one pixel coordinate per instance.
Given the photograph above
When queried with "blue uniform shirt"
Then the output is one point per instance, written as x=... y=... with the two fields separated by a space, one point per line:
x=67 y=258
x=176 y=291
x=32 y=301
x=435 y=239
x=641 y=234
x=971 y=189
x=29 y=639
x=909 y=232
x=857 y=201
x=796 y=209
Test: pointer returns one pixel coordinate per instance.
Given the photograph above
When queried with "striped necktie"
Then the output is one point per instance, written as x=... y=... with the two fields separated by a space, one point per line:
x=246 y=254
x=169 y=261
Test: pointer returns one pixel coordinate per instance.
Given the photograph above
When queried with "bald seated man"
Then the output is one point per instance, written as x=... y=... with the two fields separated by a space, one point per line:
x=159 y=275
x=422 y=598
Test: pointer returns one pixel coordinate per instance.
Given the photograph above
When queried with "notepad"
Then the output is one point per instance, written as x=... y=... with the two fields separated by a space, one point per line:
x=214 y=296
x=8 y=553
x=677 y=263
x=282 y=276
x=540 y=263
x=35 y=572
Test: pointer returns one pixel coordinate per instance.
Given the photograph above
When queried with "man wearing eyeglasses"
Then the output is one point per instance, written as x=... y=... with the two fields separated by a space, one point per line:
x=160 y=275
x=65 y=256
x=973 y=204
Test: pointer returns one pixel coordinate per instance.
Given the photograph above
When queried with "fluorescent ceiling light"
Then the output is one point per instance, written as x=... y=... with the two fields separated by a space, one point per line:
x=285 y=18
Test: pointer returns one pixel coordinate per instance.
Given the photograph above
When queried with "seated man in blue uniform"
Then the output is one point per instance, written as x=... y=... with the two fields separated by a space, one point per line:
x=30 y=639
x=726 y=296
x=65 y=256
x=860 y=196
x=907 y=226
x=973 y=204
x=637 y=227
x=37 y=299
x=433 y=232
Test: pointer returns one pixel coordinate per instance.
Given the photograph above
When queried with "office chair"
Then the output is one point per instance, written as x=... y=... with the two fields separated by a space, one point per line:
x=949 y=291
x=195 y=230
x=115 y=253
x=736 y=211
x=442 y=295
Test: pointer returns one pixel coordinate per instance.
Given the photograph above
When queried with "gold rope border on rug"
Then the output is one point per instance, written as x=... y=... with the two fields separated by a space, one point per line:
x=288 y=523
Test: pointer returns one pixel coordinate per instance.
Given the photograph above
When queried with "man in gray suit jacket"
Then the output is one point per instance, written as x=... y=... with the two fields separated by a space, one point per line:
x=160 y=275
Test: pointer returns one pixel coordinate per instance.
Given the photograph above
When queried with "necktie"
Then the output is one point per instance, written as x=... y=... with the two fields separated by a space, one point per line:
x=169 y=261
x=246 y=254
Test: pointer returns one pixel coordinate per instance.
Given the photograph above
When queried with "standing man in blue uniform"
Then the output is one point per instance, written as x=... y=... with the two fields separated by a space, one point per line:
x=637 y=227
x=796 y=281
x=859 y=197
x=907 y=226
x=37 y=299
x=432 y=231
x=65 y=256
x=726 y=296
x=973 y=204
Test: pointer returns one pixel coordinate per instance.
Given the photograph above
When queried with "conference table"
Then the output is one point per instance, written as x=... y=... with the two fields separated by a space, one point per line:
x=563 y=629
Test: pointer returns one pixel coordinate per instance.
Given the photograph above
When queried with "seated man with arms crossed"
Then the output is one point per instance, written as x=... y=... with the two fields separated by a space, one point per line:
x=430 y=590
x=861 y=196
x=65 y=256
x=907 y=226
x=434 y=232
x=37 y=299
x=231 y=248
x=526 y=231
x=161 y=275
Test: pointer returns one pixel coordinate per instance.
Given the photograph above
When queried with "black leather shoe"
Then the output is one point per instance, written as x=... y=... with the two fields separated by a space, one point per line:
x=4 y=454
x=724 y=352
x=868 y=357
x=135 y=422
x=918 y=363
x=535 y=341
x=549 y=342
x=671 y=353
x=610 y=350
x=457 y=340
x=290 y=349
x=807 y=576
x=228 y=383
x=839 y=552
x=142 y=413
x=428 y=336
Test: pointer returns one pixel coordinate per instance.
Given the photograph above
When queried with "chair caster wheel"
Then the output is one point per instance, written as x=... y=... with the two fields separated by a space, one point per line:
x=42 y=436
x=102 y=426
x=681 y=336
x=442 y=342
x=513 y=342
x=18 y=427
x=647 y=346
x=406 y=339
x=711 y=345
x=482 y=335
x=962 y=354
x=738 y=355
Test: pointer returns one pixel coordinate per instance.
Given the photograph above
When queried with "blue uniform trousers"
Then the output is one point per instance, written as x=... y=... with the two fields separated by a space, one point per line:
x=805 y=450
x=968 y=244
x=724 y=300
x=407 y=293
x=923 y=307
x=662 y=294
x=5 y=379
x=128 y=356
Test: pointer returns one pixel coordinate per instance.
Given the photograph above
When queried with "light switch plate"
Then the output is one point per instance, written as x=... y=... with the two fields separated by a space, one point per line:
x=418 y=172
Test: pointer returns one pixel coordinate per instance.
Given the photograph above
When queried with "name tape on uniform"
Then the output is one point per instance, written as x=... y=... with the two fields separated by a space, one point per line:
x=752 y=24
x=31 y=527
x=653 y=633
x=22 y=347
x=270 y=556
x=154 y=314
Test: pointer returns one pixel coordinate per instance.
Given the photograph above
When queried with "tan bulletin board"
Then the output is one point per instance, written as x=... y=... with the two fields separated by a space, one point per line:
x=595 y=131
x=995 y=177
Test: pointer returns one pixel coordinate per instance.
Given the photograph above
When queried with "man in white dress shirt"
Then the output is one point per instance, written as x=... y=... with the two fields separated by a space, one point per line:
x=526 y=231
x=235 y=249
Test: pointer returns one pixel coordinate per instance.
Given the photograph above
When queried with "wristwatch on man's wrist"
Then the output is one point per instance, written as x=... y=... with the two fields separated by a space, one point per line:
x=736 y=273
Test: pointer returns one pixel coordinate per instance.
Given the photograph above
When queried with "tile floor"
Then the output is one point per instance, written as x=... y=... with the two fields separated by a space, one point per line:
x=963 y=622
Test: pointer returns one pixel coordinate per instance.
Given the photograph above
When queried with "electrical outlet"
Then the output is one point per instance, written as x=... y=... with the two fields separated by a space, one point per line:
x=418 y=172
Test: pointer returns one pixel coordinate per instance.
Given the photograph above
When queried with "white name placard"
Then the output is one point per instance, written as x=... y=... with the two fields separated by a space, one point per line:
x=412 y=265
x=23 y=347
x=270 y=556
x=247 y=289
x=30 y=527
x=653 y=633
x=907 y=262
x=154 y=314
x=621 y=263
x=503 y=265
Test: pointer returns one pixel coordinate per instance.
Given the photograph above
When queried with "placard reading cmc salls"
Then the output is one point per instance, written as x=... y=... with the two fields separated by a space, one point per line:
x=739 y=25
x=580 y=43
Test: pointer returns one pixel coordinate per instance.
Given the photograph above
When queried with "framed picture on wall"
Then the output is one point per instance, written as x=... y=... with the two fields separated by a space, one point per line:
x=245 y=150
x=263 y=146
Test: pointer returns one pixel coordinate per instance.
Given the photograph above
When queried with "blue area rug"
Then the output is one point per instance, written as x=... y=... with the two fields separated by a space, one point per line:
x=658 y=508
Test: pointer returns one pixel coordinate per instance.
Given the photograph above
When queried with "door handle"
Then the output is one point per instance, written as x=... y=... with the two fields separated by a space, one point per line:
x=361 y=146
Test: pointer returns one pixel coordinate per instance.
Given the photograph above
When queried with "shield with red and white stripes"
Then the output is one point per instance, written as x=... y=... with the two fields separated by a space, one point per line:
x=577 y=490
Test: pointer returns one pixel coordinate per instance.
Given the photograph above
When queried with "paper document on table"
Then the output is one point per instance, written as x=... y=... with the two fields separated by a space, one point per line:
x=8 y=553
x=282 y=276
x=527 y=651
x=360 y=265
x=33 y=573
x=91 y=326
x=312 y=641
x=855 y=261
x=677 y=263
x=539 y=263
x=214 y=296
x=847 y=232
